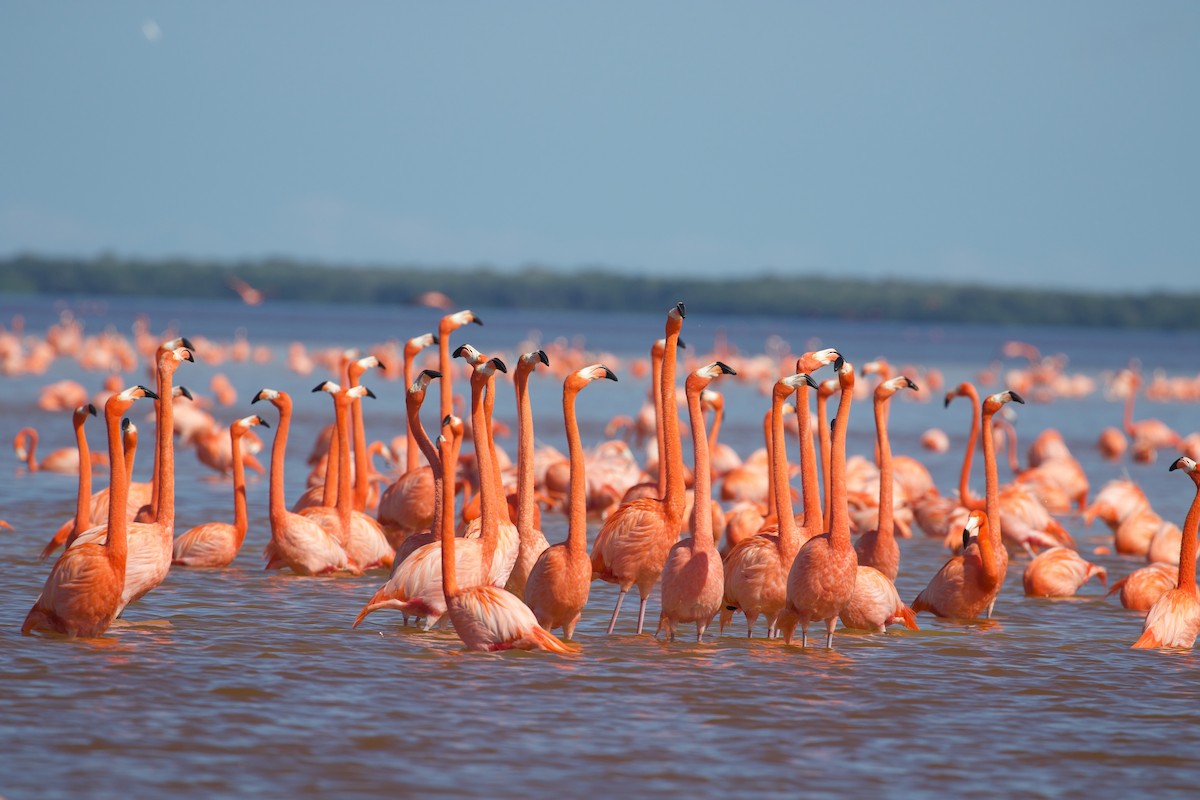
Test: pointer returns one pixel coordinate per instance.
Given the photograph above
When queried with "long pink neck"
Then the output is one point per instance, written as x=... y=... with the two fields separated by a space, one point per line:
x=489 y=400
x=239 y=487
x=117 y=546
x=1129 y=401
x=577 y=504
x=446 y=367
x=769 y=441
x=789 y=542
x=810 y=485
x=839 y=513
x=823 y=437
x=165 y=515
x=991 y=476
x=702 y=535
x=886 y=529
x=1187 y=543
x=660 y=413
x=488 y=521
x=449 y=575
x=413 y=402
x=525 y=474
x=277 y=506
x=718 y=416
x=31 y=437
x=964 y=478
x=410 y=452
x=362 y=466
x=345 y=501
x=83 y=500
x=672 y=452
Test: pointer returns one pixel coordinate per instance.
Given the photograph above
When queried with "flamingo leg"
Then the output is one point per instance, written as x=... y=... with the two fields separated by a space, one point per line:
x=612 y=623
x=829 y=626
x=642 y=614
x=700 y=628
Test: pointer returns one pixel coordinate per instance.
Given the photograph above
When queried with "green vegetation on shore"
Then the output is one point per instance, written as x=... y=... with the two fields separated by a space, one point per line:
x=600 y=290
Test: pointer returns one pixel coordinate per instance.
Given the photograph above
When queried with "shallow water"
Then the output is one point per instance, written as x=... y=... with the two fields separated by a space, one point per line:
x=248 y=683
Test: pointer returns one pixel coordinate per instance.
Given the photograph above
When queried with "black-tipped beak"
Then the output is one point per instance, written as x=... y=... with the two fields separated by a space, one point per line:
x=184 y=341
x=498 y=364
x=543 y=357
x=681 y=344
x=146 y=392
x=608 y=373
x=476 y=320
x=257 y=397
x=320 y=386
x=370 y=394
x=186 y=392
x=431 y=373
x=446 y=420
x=912 y=385
x=682 y=311
x=187 y=356
x=261 y=421
x=1174 y=465
x=966 y=538
x=380 y=364
x=91 y=409
x=1016 y=398
x=125 y=423
x=458 y=351
x=838 y=363
x=946 y=402
x=810 y=381
x=728 y=370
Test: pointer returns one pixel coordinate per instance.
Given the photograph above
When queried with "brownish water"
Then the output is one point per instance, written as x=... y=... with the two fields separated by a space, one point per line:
x=240 y=682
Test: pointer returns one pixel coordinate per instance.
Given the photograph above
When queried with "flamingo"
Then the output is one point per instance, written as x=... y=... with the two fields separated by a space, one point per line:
x=559 y=583
x=414 y=400
x=692 y=577
x=297 y=542
x=82 y=595
x=216 y=544
x=65 y=461
x=1140 y=589
x=821 y=580
x=632 y=545
x=1147 y=435
x=878 y=548
x=1174 y=619
x=150 y=544
x=531 y=540
x=968 y=583
x=1059 y=572
x=362 y=493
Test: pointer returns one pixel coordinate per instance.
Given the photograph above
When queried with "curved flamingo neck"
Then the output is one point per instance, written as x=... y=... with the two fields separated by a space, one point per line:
x=413 y=402
x=448 y=458
x=488 y=524
x=165 y=465
x=30 y=435
x=810 y=485
x=886 y=528
x=660 y=413
x=577 y=504
x=788 y=535
x=823 y=437
x=989 y=545
x=964 y=476
x=769 y=442
x=1187 y=543
x=525 y=473
x=839 y=512
x=117 y=545
x=345 y=501
x=239 y=486
x=674 y=495
x=362 y=466
x=83 y=500
x=410 y=452
x=702 y=527
x=277 y=506
x=489 y=400
x=129 y=441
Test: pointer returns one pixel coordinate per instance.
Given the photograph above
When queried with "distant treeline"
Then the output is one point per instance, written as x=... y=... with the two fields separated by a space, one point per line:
x=601 y=290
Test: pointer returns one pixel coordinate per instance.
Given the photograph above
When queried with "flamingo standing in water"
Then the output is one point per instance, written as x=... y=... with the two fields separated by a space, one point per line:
x=82 y=595
x=150 y=544
x=414 y=399
x=878 y=548
x=65 y=461
x=1140 y=589
x=1059 y=572
x=1174 y=619
x=632 y=546
x=559 y=583
x=968 y=583
x=531 y=540
x=821 y=580
x=216 y=544
x=692 y=577
x=297 y=542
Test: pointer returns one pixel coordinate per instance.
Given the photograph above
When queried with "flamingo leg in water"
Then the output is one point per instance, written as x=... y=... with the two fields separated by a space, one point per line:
x=642 y=615
x=612 y=623
x=830 y=625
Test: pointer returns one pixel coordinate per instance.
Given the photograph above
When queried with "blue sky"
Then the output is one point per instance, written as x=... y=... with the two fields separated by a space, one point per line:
x=1028 y=143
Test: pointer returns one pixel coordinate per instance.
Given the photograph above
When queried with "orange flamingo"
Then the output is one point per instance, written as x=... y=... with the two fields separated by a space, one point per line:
x=821 y=580
x=1174 y=619
x=968 y=583
x=64 y=461
x=150 y=543
x=632 y=545
x=82 y=595
x=413 y=401
x=216 y=544
x=559 y=583
x=1059 y=572
x=692 y=577
x=878 y=548
x=531 y=540
x=363 y=486
x=1147 y=435
x=825 y=390
x=297 y=542
x=1140 y=589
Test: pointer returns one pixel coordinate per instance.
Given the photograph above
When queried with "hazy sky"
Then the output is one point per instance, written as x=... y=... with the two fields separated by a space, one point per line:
x=1039 y=143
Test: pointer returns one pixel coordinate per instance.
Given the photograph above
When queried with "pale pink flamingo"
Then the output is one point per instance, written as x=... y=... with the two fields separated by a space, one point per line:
x=632 y=545
x=821 y=580
x=825 y=390
x=559 y=583
x=364 y=493
x=64 y=461
x=875 y=604
x=297 y=542
x=968 y=583
x=82 y=595
x=692 y=577
x=150 y=543
x=1148 y=435
x=216 y=544
x=531 y=540
x=413 y=401
x=1140 y=589
x=1174 y=619
x=878 y=548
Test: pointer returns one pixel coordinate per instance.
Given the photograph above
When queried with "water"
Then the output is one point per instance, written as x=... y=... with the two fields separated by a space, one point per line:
x=248 y=683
